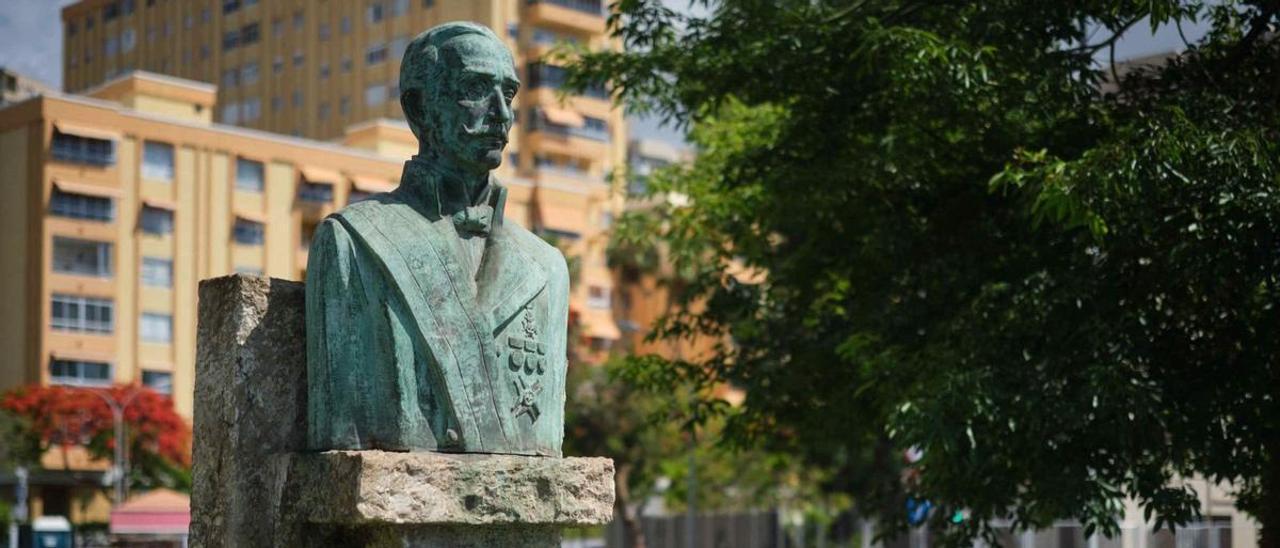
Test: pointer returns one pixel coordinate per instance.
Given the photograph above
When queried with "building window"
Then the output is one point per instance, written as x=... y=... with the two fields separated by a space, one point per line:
x=324 y=71
x=80 y=206
x=88 y=23
x=157 y=161
x=230 y=6
x=79 y=373
x=374 y=12
x=160 y=381
x=84 y=257
x=111 y=46
x=156 y=220
x=375 y=94
x=249 y=34
x=249 y=73
x=128 y=39
x=277 y=28
x=398 y=45
x=248 y=232
x=315 y=192
x=205 y=52
x=276 y=103
x=298 y=20
x=598 y=296
x=110 y=11
x=155 y=328
x=251 y=109
x=71 y=28
x=323 y=30
x=230 y=39
x=345 y=24
x=323 y=112
x=248 y=175
x=297 y=98
x=428 y=3
x=357 y=196
x=68 y=147
x=298 y=58
x=277 y=65
x=375 y=54
x=600 y=344
x=84 y=314
x=157 y=272
x=344 y=105
x=346 y=64
x=231 y=113
x=551 y=76
x=399 y=7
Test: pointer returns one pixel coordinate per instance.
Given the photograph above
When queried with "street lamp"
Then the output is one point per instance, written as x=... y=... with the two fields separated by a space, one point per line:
x=117 y=416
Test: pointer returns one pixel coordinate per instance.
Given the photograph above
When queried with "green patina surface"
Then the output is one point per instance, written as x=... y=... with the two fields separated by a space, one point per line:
x=432 y=322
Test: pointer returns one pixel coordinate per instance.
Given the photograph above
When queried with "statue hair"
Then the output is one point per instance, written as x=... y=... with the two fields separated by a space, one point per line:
x=421 y=70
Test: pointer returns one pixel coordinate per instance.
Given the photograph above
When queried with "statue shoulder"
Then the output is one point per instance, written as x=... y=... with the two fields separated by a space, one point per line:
x=370 y=205
x=546 y=254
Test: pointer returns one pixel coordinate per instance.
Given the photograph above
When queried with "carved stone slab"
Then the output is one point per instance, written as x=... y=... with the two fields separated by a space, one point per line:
x=375 y=487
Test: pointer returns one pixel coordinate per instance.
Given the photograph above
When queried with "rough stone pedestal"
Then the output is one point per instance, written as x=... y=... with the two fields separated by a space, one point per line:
x=255 y=485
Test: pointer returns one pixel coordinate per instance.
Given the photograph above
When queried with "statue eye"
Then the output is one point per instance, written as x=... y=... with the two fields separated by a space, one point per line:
x=474 y=90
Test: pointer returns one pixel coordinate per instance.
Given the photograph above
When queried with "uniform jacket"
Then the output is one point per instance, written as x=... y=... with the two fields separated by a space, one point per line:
x=405 y=350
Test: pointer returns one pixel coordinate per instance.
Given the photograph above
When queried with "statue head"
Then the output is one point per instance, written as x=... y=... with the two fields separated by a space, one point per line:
x=457 y=81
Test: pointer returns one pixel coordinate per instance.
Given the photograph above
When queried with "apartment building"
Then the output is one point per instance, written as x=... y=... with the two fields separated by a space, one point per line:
x=115 y=204
x=15 y=86
x=315 y=68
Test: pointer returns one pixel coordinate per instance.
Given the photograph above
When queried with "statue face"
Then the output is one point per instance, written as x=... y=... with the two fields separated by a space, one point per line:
x=473 y=106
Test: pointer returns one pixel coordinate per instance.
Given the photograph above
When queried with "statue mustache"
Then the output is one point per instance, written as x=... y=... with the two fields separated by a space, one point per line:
x=484 y=129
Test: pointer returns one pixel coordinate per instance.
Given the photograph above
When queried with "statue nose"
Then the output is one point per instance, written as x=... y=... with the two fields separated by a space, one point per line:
x=500 y=111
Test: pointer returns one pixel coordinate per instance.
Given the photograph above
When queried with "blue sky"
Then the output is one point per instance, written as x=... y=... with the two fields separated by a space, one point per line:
x=31 y=43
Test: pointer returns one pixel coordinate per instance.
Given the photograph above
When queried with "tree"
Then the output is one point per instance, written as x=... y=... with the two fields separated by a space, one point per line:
x=979 y=240
x=159 y=439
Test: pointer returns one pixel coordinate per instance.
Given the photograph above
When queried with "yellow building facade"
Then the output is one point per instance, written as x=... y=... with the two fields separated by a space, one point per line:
x=314 y=67
x=116 y=204
x=324 y=68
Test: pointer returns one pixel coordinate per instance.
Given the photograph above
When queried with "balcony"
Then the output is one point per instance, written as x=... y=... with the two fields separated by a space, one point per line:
x=542 y=75
x=551 y=140
x=580 y=15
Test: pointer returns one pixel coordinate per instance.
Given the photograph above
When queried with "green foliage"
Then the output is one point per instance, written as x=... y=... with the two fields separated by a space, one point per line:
x=19 y=445
x=944 y=226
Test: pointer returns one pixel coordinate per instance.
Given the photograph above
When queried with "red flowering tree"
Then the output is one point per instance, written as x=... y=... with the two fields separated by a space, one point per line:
x=159 y=440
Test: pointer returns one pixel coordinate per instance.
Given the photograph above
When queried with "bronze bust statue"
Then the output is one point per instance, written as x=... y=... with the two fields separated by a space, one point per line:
x=433 y=323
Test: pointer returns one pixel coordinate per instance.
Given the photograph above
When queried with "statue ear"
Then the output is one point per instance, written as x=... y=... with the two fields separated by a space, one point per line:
x=414 y=112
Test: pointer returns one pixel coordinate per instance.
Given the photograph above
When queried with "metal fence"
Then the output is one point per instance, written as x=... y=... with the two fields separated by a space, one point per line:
x=762 y=529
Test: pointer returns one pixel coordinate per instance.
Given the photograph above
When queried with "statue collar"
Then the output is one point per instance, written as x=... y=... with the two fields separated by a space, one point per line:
x=421 y=185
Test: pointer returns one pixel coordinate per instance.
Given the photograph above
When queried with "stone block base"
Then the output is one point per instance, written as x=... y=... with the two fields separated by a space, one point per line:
x=424 y=488
x=255 y=484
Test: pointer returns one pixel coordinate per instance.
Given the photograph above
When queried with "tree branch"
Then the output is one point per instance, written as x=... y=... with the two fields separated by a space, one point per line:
x=1110 y=41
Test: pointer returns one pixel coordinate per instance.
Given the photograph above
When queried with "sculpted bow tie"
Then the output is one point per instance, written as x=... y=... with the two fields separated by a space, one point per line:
x=474 y=220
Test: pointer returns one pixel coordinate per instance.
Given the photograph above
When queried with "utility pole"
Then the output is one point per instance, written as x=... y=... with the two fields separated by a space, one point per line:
x=19 y=511
x=121 y=456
